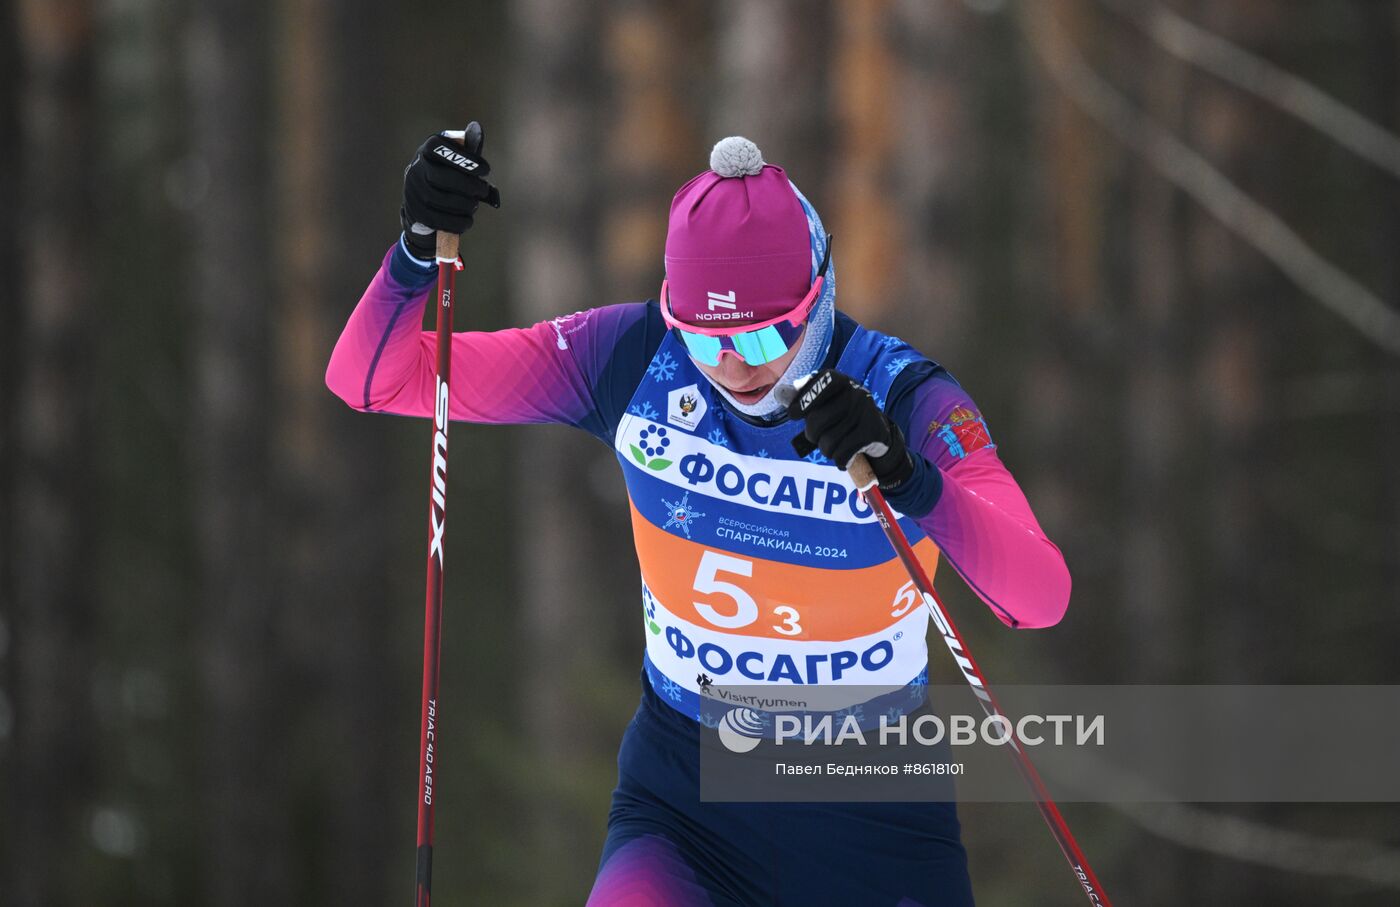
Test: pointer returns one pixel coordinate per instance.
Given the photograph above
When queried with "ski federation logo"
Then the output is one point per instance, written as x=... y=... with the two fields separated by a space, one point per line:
x=685 y=407
x=650 y=449
x=740 y=730
x=681 y=514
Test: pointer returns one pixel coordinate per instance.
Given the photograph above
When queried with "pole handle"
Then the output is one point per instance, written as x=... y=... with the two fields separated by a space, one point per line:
x=859 y=468
x=447 y=243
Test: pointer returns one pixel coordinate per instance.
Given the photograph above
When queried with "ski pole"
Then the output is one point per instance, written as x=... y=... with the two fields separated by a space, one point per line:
x=864 y=478
x=437 y=527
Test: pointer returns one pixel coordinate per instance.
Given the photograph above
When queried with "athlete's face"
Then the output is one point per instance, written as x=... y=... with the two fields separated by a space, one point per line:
x=748 y=383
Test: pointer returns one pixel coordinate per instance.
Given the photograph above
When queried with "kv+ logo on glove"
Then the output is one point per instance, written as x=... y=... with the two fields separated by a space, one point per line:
x=842 y=420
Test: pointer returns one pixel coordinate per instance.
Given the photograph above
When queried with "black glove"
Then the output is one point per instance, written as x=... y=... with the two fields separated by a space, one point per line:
x=842 y=421
x=442 y=187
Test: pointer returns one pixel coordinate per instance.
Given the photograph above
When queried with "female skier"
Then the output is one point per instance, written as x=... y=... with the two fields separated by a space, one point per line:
x=760 y=564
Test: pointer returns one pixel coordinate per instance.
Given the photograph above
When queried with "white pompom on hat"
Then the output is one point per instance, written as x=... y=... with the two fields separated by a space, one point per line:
x=735 y=156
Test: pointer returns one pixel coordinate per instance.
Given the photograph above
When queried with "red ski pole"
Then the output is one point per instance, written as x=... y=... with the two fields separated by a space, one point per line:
x=864 y=478
x=437 y=527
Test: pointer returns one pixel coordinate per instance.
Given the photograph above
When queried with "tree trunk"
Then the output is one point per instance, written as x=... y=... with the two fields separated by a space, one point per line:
x=13 y=314
x=863 y=147
x=1241 y=330
x=333 y=471
x=1070 y=369
x=651 y=141
x=903 y=166
x=1153 y=595
x=772 y=68
x=1382 y=25
x=1155 y=333
x=554 y=156
x=50 y=769
x=246 y=844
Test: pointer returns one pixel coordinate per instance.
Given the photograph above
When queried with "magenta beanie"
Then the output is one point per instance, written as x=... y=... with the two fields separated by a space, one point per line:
x=737 y=244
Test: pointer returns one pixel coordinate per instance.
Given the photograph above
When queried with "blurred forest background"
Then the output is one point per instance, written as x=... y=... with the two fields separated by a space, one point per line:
x=1157 y=241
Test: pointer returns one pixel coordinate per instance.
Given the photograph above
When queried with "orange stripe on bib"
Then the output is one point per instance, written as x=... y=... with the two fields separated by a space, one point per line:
x=749 y=596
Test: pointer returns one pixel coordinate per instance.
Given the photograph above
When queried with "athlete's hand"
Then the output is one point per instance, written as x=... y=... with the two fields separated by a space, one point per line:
x=442 y=187
x=843 y=420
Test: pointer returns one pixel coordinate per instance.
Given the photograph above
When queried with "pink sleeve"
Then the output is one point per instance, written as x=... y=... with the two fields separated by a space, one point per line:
x=982 y=521
x=385 y=362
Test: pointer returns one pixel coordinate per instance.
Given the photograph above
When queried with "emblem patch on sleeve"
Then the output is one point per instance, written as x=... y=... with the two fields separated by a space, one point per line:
x=964 y=432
